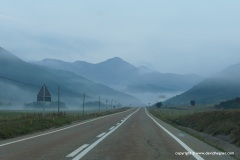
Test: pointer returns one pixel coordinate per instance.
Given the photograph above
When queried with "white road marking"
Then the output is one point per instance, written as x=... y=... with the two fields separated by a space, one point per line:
x=89 y=148
x=177 y=139
x=102 y=134
x=117 y=124
x=24 y=139
x=111 y=127
x=74 y=153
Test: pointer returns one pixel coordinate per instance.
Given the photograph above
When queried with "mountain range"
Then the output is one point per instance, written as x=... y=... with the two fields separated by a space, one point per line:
x=140 y=82
x=112 y=80
x=20 y=82
x=222 y=86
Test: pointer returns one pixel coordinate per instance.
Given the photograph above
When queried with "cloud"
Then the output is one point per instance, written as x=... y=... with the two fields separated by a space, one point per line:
x=171 y=37
x=7 y=18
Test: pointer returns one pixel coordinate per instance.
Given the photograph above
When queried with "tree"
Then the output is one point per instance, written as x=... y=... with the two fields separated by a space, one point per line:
x=192 y=102
x=159 y=104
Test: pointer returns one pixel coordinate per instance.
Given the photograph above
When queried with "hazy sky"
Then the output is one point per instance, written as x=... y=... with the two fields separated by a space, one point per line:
x=180 y=36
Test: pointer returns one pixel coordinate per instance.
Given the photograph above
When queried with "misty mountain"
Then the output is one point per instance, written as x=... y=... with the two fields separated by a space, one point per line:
x=20 y=82
x=219 y=87
x=110 y=72
x=127 y=78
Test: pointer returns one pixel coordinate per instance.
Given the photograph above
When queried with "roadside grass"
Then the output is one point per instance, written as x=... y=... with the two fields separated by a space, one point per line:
x=213 y=122
x=17 y=123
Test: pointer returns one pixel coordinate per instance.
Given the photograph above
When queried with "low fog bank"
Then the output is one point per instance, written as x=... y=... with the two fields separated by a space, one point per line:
x=150 y=98
x=14 y=97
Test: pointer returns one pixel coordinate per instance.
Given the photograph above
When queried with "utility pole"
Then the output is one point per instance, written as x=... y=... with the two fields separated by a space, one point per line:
x=106 y=102
x=99 y=104
x=111 y=103
x=83 y=101
x=58 y=99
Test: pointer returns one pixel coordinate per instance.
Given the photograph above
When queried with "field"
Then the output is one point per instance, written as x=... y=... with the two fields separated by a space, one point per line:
x=219 y=123
x=17 y=123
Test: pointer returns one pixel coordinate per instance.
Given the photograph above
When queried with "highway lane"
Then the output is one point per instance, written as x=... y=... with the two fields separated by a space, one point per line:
x=138 y=138
x=60 y=142
x=144 y=137
x=133 y=134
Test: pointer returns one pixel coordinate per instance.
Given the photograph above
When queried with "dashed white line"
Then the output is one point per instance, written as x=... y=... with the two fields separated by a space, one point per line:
x=102 y=134
x=85 y=151
x=117 y=124
x=74 y=153
x=112 y=128
x=58 y=130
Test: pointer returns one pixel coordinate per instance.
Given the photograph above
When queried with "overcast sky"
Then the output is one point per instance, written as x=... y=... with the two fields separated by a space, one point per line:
x=178 y=36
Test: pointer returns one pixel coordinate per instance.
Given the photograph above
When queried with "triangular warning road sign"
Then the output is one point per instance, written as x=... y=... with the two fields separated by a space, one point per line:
x=44 y=94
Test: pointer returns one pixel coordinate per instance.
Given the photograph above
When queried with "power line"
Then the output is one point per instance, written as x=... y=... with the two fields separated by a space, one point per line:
x=9 y=79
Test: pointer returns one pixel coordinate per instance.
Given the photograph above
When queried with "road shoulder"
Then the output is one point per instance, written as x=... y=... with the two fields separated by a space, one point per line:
x=194 y=143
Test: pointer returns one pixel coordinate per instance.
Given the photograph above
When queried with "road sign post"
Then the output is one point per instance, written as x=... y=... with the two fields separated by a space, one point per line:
x=43 y=96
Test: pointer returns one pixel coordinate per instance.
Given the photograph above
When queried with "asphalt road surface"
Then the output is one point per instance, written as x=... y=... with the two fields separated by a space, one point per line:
x=134 y=134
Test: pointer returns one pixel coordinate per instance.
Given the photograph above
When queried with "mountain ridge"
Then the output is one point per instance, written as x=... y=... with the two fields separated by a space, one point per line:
x=222 y=86
x=72 y=85
x=125 y=77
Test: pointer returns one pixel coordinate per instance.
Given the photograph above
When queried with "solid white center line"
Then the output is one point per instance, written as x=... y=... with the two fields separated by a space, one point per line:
x=74 y=153
x=112 y=128
x=102 y=134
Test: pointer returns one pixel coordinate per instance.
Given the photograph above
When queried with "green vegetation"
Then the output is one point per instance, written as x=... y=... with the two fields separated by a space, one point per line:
x=17 y=123
x=213 y=122
x=159 y=104
x=192 y=102
x=229 y=104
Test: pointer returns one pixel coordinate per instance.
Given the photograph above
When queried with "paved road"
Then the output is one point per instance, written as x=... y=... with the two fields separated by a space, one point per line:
x=133 y=134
